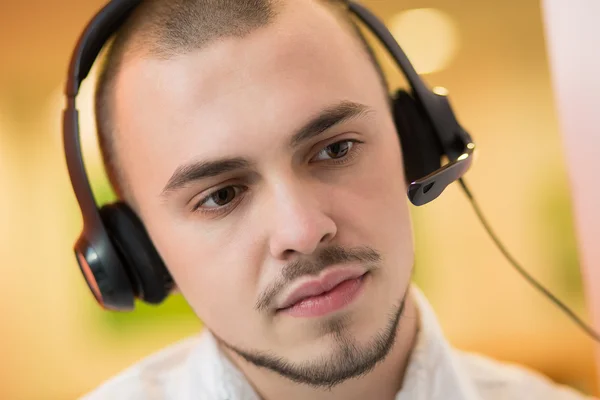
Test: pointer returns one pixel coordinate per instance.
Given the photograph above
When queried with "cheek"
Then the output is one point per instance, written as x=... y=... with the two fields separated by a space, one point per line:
x=214 y=271
x=390 y=189
x=381 y=210
x=375 y=206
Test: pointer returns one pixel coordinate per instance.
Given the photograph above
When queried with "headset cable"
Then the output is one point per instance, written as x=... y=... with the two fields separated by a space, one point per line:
x=586 y=328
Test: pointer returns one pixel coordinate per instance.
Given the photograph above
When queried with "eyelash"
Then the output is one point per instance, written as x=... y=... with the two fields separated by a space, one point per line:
x=216 y=211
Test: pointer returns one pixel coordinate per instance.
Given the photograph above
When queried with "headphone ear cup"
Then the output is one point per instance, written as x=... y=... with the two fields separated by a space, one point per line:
x=149 y=276
x=421 y=149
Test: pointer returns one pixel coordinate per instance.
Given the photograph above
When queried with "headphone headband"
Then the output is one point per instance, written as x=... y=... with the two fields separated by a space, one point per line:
x=102 y=26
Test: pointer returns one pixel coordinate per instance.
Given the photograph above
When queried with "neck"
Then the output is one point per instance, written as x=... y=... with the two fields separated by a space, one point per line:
x=382 y=382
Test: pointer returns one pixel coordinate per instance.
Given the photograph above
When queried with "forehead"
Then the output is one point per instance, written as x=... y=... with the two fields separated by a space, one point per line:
x=257 y=89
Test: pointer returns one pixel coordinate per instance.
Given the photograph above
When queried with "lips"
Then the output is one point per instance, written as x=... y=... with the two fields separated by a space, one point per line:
x=315 y=287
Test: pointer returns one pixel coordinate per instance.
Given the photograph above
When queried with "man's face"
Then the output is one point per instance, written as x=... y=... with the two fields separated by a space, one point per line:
x=292 y=197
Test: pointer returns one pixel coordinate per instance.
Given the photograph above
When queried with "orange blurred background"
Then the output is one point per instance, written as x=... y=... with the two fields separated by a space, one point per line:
x=57 y=344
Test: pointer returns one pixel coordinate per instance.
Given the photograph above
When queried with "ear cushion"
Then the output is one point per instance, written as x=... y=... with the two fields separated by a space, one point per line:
x=421 y=149
x=150 y=279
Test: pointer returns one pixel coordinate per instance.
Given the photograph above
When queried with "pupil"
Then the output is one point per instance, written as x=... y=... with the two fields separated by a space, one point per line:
x=224 y=196
x=338 y=150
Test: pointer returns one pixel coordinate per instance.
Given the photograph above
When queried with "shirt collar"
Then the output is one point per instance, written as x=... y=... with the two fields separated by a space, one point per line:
x=433 y=372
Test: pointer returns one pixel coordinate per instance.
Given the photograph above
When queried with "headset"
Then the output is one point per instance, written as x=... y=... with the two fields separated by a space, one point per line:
x=115 y=253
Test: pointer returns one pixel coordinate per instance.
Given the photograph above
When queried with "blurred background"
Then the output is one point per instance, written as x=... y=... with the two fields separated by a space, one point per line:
x=56 y=343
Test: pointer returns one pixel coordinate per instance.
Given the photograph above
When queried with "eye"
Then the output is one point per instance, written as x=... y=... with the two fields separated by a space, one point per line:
x=336 y=150
x=220 y=198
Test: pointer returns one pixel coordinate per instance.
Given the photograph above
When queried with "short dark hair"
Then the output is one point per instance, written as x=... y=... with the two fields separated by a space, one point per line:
x=167 y=28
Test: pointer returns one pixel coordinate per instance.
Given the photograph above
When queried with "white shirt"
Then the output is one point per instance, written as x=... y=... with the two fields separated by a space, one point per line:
x=196 y=369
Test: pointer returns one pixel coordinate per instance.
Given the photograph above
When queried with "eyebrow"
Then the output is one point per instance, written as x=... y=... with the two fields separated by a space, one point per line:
x=196 y=171
x=325 y=120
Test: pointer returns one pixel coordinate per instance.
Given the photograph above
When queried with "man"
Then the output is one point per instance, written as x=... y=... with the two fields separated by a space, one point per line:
x=255 y=141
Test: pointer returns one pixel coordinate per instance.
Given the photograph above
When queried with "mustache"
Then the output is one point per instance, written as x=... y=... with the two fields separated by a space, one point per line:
x=326 y=257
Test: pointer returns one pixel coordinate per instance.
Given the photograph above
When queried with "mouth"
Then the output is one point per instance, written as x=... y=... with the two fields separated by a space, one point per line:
x=319 y=298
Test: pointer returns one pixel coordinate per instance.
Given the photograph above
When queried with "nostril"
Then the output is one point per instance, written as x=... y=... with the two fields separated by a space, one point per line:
x=326 y=238
x=288 y=253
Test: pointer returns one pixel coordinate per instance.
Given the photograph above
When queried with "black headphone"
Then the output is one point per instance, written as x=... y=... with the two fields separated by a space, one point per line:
x=114 y=251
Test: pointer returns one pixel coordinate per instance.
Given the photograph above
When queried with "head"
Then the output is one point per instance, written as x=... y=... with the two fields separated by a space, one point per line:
x=255 y=141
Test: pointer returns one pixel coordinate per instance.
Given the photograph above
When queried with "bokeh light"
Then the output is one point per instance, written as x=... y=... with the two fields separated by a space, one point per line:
x=429 y=37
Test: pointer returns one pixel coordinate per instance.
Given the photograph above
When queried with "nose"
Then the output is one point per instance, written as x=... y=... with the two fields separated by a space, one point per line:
x=300 y=222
